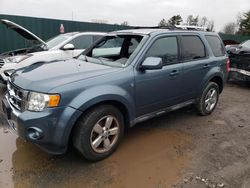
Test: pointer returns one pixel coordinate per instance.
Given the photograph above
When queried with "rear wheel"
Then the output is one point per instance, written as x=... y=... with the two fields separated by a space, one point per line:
x=99 y=132
x=208 y=100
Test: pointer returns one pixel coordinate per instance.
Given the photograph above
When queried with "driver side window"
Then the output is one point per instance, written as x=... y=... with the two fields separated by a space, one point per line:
x=165 y=48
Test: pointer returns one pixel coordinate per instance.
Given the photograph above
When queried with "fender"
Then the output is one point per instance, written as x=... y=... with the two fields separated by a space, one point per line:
x=213 y=72
x=98 y=94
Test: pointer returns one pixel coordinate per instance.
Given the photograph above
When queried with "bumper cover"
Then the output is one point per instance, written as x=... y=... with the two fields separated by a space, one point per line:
x=55 y=124
x=239 y=74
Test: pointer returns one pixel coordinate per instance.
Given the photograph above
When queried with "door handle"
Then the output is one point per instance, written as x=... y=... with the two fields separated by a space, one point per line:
x=206 y=66
x=174 y=73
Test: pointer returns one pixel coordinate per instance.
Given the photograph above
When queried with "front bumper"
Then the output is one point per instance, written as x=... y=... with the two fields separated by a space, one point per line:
x=239 y=74
x=3 y=78
x=53 y=126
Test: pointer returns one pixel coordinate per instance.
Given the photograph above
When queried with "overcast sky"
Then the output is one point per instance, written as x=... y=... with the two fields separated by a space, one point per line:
x=136 y=12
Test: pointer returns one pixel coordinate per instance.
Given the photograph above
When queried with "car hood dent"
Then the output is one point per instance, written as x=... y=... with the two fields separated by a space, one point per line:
x=43 y=77
x=22 y=31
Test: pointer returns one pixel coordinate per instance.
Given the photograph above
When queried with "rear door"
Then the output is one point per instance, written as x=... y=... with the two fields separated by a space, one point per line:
x=158 y=89
x=195 y=64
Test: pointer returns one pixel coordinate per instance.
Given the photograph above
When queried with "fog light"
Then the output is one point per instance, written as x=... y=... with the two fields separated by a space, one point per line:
x=35 y=133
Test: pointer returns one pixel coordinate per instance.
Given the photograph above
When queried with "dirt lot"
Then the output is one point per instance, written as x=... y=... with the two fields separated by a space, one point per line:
x=180 y=150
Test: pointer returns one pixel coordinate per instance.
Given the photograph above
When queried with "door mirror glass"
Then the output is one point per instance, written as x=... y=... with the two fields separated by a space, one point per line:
x=151 y=63
x=68 y=47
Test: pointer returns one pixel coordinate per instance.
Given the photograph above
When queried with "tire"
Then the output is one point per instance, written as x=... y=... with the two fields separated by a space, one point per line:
x=207 y=99
x=98 y=132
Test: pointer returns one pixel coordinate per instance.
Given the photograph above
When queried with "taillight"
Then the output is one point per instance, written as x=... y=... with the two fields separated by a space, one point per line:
x=228 y=65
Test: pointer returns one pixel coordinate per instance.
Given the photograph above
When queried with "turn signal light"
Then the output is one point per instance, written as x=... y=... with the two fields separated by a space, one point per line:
x=53 y=100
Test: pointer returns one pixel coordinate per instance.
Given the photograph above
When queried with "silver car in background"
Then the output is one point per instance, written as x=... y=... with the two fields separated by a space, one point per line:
x=61 y=47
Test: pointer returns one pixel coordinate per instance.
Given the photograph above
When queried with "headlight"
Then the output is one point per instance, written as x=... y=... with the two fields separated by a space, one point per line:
x=38 y=102
x=16 y=59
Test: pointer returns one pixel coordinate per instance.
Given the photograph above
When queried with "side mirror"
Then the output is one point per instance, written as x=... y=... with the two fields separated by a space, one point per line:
x=68 y=47
x=151 y=63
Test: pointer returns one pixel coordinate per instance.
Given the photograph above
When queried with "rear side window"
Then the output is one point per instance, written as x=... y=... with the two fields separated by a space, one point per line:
x=216 y=45
x=165 y=48
x=192 y=48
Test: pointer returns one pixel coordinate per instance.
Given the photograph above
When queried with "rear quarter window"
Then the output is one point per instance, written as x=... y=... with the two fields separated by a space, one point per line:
x=216 y=45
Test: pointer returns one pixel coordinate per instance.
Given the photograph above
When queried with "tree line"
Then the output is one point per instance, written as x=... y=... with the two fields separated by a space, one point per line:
x=191 y=21
x=241 y=26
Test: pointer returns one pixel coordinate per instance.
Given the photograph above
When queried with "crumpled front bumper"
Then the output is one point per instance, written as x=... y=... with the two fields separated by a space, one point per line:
x=239 y=74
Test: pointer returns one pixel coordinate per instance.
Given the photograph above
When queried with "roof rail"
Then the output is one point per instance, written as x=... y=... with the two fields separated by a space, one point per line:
x=191 y=27
x=156 y=27
x=175 y=27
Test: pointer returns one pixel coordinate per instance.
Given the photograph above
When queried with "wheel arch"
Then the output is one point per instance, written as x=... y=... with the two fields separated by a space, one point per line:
x=218 y=80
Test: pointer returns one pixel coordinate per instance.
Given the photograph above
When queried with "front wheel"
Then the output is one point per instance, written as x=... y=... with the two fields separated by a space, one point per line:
x=208 y=100
x=99 y=132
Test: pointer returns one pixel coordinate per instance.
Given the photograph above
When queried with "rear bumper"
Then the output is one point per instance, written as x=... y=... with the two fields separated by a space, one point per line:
x=50 y=129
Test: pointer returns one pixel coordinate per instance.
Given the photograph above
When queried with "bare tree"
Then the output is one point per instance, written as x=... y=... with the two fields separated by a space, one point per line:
x=230 y=28
x=162 y=23
x=203 y=21
x=125 y=23
x=192 y=20
x=210 y=25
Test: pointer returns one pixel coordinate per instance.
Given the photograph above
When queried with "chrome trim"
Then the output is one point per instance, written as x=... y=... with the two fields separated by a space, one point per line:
x=16 y=96
x=247 y=73
x=1 y=63
x=14 y=111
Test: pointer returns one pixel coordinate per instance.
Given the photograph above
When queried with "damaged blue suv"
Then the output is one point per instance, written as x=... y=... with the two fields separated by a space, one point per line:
x=126 y=77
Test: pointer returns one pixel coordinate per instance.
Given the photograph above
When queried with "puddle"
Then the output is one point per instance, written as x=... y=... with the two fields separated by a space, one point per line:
x=150 y=158
x=147 y=157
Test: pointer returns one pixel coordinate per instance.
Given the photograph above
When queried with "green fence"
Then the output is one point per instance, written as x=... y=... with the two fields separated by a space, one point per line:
x=45 y=29
x=237 y=38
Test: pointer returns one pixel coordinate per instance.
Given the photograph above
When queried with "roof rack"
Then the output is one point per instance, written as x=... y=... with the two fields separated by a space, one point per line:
x=175 y=27
x=156 y=27
x=192 y=27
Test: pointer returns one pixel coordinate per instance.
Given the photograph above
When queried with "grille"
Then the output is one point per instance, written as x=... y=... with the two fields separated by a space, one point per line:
x=16 y=96
x=1 y=63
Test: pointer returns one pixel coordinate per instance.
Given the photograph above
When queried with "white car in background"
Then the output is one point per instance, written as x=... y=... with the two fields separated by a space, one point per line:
x=61 y=47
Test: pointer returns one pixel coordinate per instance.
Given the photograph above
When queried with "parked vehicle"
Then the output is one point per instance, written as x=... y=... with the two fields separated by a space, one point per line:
x=93 y=98
x=240 y=62
x=61 y=47
x=238 y=48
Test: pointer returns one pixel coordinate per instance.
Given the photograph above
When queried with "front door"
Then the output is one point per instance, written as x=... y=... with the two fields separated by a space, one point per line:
x=158 y=89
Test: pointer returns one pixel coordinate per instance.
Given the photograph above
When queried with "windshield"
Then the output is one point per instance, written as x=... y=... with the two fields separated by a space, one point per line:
x=57 y=40
x=246 y=44
x=114 y=50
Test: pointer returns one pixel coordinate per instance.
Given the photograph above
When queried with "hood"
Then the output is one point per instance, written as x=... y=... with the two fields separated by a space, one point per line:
x=21 y=52
x=22 y=31
x=43 y=77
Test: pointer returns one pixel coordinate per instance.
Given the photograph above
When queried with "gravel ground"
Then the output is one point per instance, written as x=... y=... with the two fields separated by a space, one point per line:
x=178 y=150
